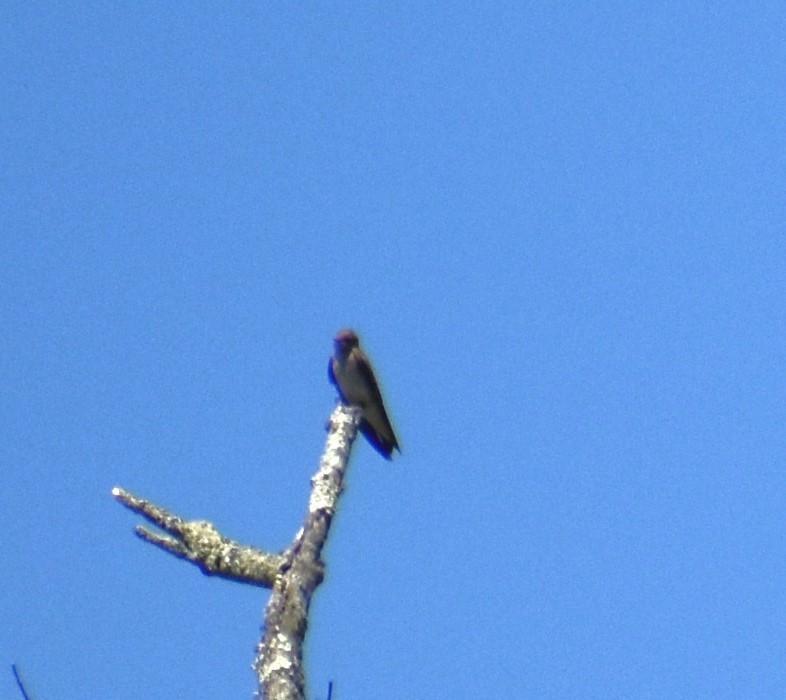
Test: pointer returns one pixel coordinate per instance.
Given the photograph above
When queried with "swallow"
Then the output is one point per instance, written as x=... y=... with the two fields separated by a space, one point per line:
x=350 y=370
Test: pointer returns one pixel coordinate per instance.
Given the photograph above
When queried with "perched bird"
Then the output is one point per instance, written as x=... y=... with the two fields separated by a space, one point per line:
x=350 y=370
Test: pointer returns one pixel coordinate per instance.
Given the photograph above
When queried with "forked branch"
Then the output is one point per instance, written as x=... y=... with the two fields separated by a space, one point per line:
x=293 y=575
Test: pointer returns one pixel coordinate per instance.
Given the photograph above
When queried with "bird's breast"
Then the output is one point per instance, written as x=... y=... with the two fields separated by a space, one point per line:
x=352 y=384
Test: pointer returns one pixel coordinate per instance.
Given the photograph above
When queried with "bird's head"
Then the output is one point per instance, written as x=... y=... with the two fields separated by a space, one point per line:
x=345 y=340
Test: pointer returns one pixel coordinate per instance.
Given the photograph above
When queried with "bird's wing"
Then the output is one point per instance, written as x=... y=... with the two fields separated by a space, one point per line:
x=378 y=442
x=384 y=438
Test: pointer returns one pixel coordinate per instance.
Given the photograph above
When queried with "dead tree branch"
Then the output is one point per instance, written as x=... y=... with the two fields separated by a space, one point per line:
x=293 y=575
x=279 y=661
x=199 y=542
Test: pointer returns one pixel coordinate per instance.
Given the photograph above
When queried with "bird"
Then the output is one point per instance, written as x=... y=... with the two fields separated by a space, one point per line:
x=350 y=371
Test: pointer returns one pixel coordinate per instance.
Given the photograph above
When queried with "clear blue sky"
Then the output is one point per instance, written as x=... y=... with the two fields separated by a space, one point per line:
x=561 y=234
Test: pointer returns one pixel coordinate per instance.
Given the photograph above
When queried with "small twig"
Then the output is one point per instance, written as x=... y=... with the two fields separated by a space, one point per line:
x=19 y=682
x=199 y=542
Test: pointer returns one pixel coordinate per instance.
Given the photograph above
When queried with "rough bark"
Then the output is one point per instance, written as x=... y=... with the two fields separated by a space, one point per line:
x=293 y=575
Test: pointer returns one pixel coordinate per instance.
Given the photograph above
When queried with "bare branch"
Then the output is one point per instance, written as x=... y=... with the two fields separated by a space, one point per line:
x=279 y=661
x=20 y=682
x=293 y=575
x=199 y=542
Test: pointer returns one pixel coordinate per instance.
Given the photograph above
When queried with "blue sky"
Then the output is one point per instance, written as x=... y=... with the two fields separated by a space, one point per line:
x=560 y=233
